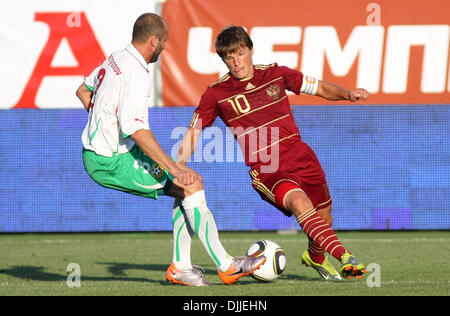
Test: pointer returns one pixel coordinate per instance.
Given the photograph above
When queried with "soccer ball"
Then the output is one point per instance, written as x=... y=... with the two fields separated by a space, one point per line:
x=275 y=260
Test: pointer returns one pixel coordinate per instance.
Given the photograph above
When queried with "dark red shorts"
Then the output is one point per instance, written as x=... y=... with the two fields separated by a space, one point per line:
x=303 y=172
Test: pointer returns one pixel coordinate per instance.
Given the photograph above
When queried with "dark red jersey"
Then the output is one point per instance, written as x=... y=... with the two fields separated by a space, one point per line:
x=258 y=113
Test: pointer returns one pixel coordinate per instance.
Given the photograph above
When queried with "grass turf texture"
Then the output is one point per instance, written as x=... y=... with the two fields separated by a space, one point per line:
x=411 y=263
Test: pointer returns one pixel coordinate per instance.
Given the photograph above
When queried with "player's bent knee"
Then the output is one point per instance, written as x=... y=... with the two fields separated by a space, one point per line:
x=297 y=202
x=193 y=188
x=181 y=191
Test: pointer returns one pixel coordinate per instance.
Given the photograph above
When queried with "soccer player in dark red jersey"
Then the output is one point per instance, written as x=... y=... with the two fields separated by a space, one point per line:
x=251 y=100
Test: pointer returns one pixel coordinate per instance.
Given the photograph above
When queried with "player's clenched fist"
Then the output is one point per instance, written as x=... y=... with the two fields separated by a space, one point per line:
x=358 y=94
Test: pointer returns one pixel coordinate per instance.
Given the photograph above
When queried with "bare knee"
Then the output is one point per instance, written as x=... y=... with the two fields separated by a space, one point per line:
x=297 y=202
x=194 y=187
x=181 y=191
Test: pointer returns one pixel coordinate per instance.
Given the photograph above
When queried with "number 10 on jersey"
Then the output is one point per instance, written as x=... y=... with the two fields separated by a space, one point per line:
x=240 y=104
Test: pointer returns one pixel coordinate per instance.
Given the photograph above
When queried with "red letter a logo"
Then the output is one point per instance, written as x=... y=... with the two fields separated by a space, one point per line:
x=81 y=40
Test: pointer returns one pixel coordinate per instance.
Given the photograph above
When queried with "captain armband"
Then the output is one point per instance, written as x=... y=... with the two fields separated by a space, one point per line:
x=309 y=85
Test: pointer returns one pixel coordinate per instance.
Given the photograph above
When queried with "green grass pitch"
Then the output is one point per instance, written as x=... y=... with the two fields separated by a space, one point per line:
x=410 y=263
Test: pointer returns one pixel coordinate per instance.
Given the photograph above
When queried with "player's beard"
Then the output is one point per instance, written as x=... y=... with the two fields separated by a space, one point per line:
x=156 y=54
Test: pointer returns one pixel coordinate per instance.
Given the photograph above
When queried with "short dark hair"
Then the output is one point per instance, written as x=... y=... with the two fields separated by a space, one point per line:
x=147 y=25
x=231 y=39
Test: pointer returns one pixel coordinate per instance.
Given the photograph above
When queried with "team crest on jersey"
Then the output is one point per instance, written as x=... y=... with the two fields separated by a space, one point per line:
x=156 y=171
x=274 y=91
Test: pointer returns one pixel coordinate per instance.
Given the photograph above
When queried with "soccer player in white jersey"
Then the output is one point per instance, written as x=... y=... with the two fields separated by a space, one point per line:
x=120 y=151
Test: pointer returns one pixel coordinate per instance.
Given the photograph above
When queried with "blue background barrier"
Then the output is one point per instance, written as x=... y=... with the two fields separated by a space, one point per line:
x=388 y=167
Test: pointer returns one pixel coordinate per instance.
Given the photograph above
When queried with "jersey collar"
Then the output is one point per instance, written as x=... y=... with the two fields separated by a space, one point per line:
x=133 y=51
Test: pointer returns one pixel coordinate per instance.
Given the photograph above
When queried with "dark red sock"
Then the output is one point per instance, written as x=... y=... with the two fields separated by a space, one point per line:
x=321 y=233
x=316 y=253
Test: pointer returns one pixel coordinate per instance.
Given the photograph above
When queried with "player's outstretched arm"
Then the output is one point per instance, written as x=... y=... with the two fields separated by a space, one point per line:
x=331 y=91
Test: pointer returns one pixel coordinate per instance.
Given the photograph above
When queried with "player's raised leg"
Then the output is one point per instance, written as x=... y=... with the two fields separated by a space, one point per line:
x=204 y=226
x=201 y=221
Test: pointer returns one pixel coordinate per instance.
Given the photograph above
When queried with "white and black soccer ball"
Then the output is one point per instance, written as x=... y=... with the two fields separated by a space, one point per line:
x=275 y=259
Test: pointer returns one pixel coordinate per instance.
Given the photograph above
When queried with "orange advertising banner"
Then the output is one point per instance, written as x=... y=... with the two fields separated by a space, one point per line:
x=396 y=49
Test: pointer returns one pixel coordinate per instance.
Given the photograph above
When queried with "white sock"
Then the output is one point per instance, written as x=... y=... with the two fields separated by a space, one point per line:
x=182 y=238
x=203 y=224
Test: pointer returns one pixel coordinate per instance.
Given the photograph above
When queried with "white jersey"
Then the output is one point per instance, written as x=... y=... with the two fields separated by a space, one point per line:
x=121 y=96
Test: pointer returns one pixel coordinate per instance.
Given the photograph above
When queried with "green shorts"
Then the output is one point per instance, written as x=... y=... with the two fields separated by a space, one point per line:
x=132 y=172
